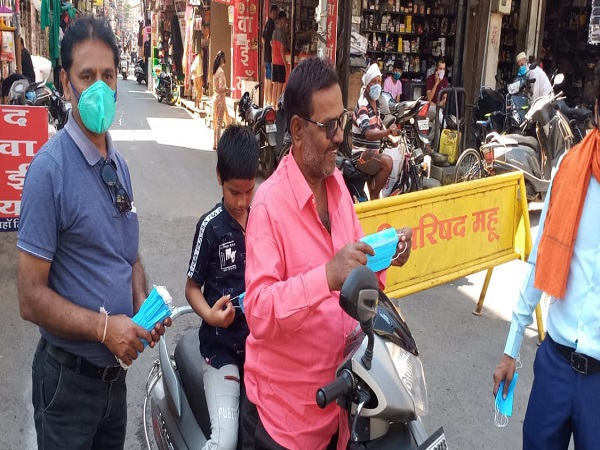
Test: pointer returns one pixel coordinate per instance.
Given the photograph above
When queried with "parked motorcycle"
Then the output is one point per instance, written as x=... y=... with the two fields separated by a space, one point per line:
x=411 y=165
x=580 y=120
x=384 y=393
x=381 y=382
x=263 y=123
x=39 y=94
x=139 y=72
x=166 y=88
x=536 y=157
x=501 y=111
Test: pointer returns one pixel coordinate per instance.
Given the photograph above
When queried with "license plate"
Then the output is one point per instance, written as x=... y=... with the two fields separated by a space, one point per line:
x=437 y=441
x=271 y=128
x=423 y=124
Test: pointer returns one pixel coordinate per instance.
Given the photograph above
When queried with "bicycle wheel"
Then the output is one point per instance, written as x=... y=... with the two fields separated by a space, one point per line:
x=469 y=166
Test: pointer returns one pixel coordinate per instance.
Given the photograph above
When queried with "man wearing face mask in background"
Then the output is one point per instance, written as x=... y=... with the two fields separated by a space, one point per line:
x=436 y=82
x=542 y=86
x=368 y=131
x=80 y=279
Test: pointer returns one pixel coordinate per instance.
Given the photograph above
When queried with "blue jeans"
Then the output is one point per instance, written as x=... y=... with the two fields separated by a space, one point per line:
x=562 y=402
x=75 y=412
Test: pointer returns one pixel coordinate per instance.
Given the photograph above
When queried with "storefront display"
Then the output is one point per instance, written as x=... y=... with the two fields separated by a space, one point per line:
x=508 y=43
x=414 y=32
x=565 y=48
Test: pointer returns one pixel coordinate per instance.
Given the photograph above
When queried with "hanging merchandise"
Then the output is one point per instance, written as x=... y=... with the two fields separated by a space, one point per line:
x=177 y=43
x=594 y=32
x=8 y=47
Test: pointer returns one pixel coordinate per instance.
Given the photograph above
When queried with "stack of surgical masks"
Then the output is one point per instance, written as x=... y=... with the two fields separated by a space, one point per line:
x=385 y=244
x=155 y=309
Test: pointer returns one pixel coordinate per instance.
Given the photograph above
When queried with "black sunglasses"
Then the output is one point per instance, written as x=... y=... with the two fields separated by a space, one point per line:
x=331 y=126
x=110 y=178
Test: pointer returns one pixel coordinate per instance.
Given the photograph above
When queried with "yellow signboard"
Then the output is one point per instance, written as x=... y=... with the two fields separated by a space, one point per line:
x=458 y=230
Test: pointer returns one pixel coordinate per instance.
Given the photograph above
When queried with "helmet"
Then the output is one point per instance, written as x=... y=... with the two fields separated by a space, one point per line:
x=452 y=123
x=16 y=95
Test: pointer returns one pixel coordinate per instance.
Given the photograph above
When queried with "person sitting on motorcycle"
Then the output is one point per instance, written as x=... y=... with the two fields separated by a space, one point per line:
x=542 y=85
x=368 y=131
x=216 y=278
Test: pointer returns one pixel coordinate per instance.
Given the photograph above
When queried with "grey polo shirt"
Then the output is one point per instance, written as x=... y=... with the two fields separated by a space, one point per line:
x=69 y=217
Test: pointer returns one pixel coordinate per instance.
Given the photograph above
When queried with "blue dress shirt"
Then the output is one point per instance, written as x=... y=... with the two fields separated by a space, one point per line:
x=575 y=320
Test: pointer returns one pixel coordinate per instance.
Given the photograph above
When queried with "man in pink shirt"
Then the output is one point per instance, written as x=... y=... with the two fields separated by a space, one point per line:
x=302 y=242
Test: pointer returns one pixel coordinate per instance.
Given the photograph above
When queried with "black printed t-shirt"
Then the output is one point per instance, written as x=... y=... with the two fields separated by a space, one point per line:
x=217 y=264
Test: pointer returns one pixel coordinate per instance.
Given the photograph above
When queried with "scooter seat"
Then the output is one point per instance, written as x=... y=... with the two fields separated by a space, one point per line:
x=573 y=113
x=189 y=365
x=524 y=140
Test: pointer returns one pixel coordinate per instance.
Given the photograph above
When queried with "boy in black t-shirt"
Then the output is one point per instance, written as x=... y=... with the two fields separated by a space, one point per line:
x=216 y=279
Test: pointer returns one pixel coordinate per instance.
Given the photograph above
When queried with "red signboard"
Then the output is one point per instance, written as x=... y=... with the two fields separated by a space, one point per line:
x=23 y=131
x=331 y=32
x=245 y=44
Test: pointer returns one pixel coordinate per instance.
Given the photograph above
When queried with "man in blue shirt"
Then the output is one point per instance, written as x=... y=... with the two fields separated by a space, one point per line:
x=80 y=279
x=564 y=263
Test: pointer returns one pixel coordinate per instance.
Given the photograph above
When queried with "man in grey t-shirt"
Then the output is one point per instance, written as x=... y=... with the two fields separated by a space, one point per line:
x=80 y=279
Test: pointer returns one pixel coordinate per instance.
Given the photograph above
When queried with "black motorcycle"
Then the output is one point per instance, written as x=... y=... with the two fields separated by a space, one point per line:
x=263 y=123
x=140 y=71
x=39 y=94
x=580 y=120
x=166 y=87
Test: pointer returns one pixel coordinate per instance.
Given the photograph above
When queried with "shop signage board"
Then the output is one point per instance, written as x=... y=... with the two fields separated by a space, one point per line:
x=23 y=131
x=331 y=32
x=245 y=44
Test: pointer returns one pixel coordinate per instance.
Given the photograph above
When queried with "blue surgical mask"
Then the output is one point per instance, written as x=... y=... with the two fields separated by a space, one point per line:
x=522 y=71
x=375 y=91
x=385 y=244
x=96 y=106
x=504 y=406
x=396 y=76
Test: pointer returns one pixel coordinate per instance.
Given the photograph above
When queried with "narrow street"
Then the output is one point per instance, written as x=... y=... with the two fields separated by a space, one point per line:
x=172 y=164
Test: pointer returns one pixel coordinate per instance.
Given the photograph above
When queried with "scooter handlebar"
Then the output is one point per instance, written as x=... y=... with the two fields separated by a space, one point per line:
x=341 y=386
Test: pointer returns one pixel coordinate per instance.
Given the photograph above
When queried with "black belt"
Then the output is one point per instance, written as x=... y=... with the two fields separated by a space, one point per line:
x=80 y=365
x=581 y=363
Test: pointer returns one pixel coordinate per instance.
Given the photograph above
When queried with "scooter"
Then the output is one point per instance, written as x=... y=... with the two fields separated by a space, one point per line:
x=124 y=65
x=140 y=71
x=39 y=94
x=380 y=383
x=264 y=124
x=536 y=157
x=166 y=88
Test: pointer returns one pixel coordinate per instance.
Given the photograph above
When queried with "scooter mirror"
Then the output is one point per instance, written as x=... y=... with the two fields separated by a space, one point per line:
x=558 y=79
x=359 y=295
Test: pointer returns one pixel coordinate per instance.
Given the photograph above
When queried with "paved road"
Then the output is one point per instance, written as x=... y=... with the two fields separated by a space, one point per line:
x=173 y=174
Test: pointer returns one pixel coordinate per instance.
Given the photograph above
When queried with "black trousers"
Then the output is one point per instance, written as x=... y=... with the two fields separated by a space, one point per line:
x=253 y=433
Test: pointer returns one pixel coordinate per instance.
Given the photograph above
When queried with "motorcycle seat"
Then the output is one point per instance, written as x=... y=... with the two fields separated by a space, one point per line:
x=577 y=113
x=189 y=365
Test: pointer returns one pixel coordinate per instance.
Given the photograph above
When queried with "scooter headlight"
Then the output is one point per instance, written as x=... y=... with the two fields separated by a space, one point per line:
x=410 y=371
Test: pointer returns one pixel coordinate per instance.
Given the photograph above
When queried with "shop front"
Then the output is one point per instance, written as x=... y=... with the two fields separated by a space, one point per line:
x=554 y=34
x=413 y=34
x=311 y=29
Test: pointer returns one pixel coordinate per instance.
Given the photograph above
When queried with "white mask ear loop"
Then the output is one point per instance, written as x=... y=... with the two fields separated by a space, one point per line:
x=403 y=251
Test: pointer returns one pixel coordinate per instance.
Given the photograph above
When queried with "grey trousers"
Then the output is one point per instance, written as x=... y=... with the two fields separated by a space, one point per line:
x=222 y=391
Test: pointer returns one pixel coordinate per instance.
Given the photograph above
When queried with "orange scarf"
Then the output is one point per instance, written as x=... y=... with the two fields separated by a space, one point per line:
x=569 y=190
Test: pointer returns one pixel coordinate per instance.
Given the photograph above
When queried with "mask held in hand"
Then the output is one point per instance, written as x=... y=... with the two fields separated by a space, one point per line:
x=385 y=244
